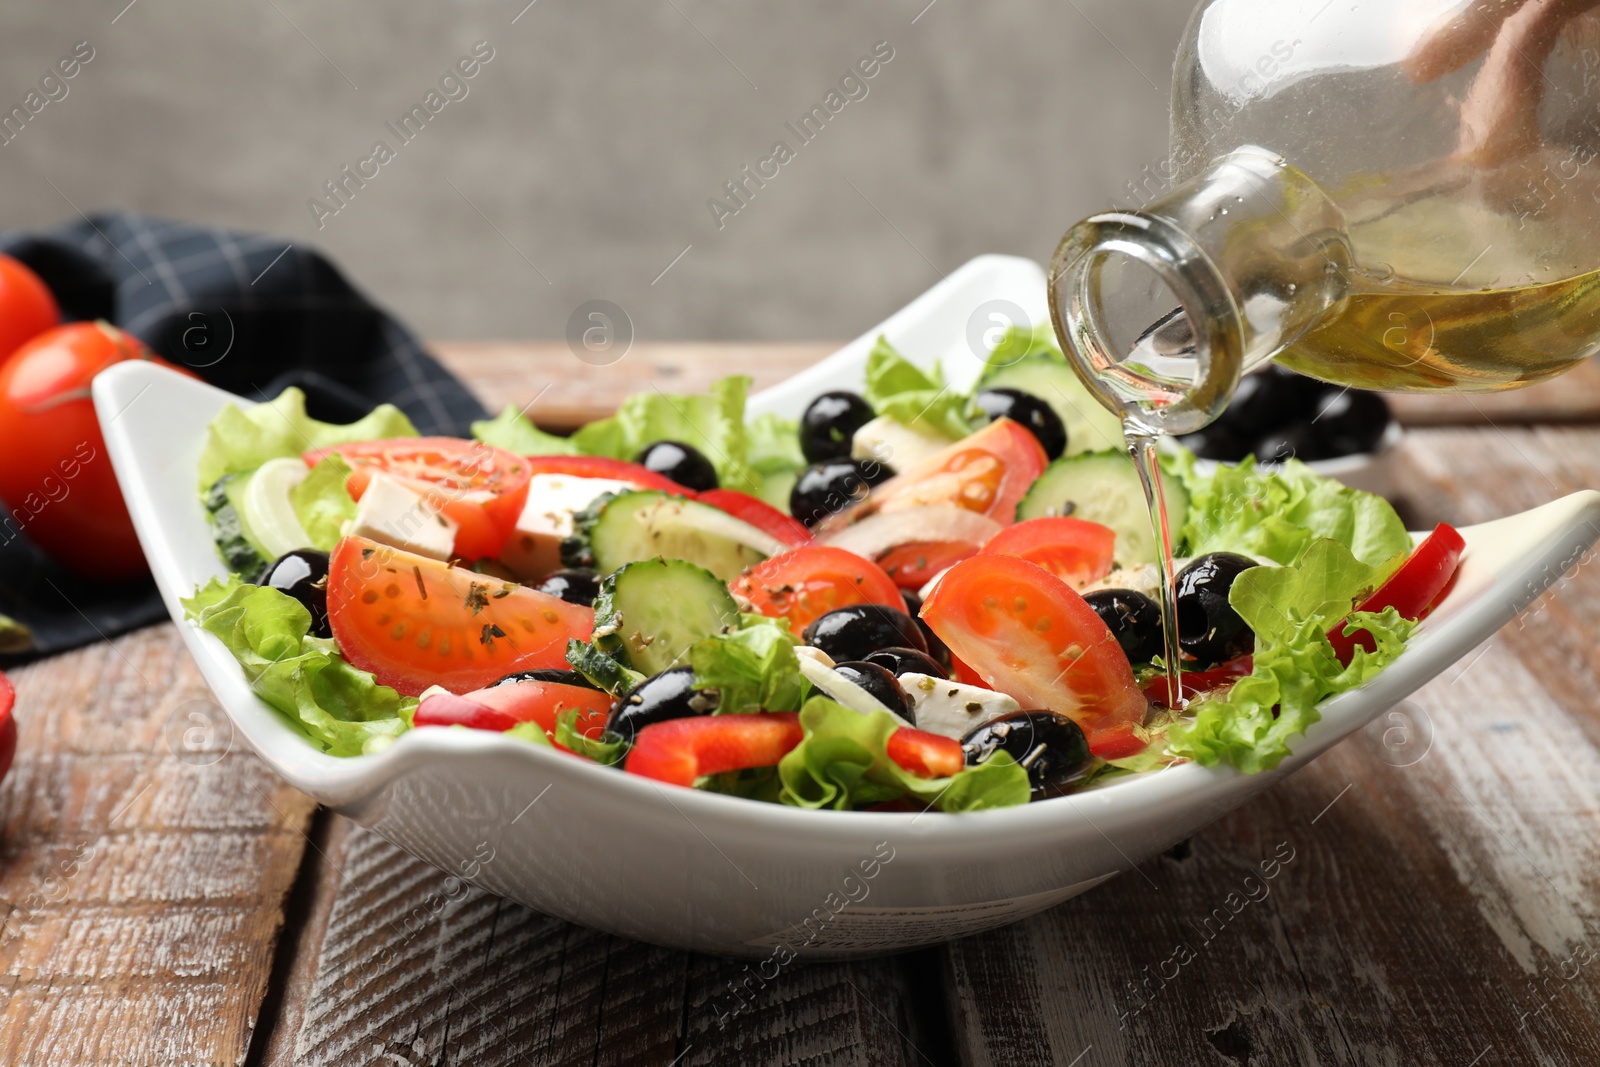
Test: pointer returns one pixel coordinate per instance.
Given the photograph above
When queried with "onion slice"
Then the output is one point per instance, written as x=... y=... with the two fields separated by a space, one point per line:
x=876 y=534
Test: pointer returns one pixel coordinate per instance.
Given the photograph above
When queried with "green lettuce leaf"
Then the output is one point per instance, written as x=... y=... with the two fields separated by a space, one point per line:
x=323 y=504
x=753 y=668
x=530 y=732
x=1020 y=342
x=712 y=422
x=1278 y=514
x=515 y=432
x=912 y=397
x=343 y=710
x=608 y=748
x=773 y=452
x=841 y=764
x=604 y=671
x=1291 y=609
x=239 y=441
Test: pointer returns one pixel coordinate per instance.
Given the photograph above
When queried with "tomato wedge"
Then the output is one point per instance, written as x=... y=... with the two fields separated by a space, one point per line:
x=1075 y=550
x=1197 y=682
x=758 y=513
x=1030 y=635
x=987 y=472
x=913 y=565
x=503 y=705
x=811 y=581
x=681 y=750
x=1118 y=742
x=1412 y=590
x=415 y=622
x=479 y=487
x=620 y=470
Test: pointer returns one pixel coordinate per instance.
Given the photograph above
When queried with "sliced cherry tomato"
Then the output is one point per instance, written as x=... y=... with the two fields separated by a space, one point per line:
x=415 y=622
x=913 y=565
x=811 y=581
x=924 y=754
x=1075 y=550
x=504 y=705
x=27 y=307
x=1197 y=682
x=987 y=472
x=1030 y=635
x=8 y=725
x=681 y=750
x=480 y=487
x=758 y=513
x=1118 y=742
x=55 y=476
x=1412 y=590
x=620 y=470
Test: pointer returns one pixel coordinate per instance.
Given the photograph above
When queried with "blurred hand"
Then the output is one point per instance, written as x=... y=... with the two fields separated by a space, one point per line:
x=1500 y=116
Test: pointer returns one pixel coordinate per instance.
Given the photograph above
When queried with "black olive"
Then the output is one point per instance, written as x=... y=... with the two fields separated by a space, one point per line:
x=1350 y=422
x=1039 y=417
x=830 y=423
x=825 y=488
x=1270 y=399
x=1050 y=747
x=1133 y=618
x=547 y=674
x=575 y=585
x=1291 y=442
x=683 y=463
x=879 y=682
x=936 y=646
x=857 y=631
x=1217 y=441
x=668 y=695
x=303 y=574
x=898 y=661
x=1209 y=630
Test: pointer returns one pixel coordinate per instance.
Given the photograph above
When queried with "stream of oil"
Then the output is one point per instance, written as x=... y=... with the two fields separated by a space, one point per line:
x=1142 y=443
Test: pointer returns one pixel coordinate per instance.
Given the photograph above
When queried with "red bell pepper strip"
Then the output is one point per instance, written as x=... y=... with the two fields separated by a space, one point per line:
x=760 y=514
x=1412 y=590
x=681 y=750
x=923 y=754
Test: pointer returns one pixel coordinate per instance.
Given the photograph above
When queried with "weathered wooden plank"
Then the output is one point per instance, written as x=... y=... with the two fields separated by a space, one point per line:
x=1443 y=903
x=143 y=864
x=416 y=967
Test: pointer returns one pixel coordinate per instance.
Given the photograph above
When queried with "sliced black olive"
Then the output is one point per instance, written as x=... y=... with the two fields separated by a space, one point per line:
x=1209 y=630
x=833 y=485
x=668 y=695
x=1269 y=400
x=1050 y=747
x=900 y=661
x=1217 y=441
x=683 y=463
x=1350 y=422
x=829 y=425
x=1133 y=618
x=936 y=646
x=1025 y=408
x=303 y=574
x=575 y=585
x=1291 y=442
x=879 y=682
x=547 y=674
x=855 y=632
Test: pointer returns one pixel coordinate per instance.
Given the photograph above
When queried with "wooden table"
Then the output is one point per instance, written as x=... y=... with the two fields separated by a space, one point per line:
x=169 y=901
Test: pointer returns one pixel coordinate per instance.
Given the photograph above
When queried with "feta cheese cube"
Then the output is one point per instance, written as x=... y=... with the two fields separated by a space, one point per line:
x=534 y=548
x=886 y=440
x=393 y=514
x=953 y=709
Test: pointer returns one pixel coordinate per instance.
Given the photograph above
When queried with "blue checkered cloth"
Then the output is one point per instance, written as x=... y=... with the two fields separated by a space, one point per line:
x=249 y=313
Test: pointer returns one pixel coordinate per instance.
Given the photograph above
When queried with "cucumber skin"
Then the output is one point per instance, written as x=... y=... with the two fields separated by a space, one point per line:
x=638 y=588
x=228 y=533
x=1044 y=494
x=576 y=551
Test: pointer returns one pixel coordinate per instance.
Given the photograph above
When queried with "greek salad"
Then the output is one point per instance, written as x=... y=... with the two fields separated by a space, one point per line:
x=911 y=597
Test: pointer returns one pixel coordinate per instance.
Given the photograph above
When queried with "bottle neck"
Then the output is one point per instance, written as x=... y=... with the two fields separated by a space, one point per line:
x=1162 y=309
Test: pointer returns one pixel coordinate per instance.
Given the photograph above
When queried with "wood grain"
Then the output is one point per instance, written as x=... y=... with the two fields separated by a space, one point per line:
x=144 y=864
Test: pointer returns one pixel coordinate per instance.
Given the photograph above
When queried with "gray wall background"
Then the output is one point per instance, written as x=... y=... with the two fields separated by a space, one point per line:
x=584 y=153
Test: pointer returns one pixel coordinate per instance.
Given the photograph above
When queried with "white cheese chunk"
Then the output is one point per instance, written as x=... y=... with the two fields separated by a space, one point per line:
x=393 y=514
x=534 y=549
x=886 y=440
x=953 y=709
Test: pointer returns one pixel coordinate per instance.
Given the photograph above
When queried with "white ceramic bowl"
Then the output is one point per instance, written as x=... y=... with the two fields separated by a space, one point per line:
x=717 y=874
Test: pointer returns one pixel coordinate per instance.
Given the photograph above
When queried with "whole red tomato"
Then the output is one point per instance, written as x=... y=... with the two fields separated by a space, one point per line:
x=55 y=478
x=27 y=308
x=8 y=725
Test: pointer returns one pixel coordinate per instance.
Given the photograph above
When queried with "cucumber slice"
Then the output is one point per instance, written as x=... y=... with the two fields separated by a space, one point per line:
x=650 y=525
x=234 y=544
x=267 y=511
x=1090 y=427
x=1103 y=487
x=652 y=611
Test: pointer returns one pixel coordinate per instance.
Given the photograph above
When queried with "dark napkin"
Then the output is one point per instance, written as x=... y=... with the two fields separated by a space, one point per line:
x=250 y=313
